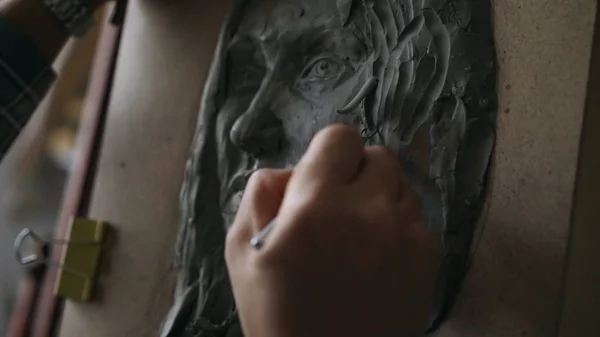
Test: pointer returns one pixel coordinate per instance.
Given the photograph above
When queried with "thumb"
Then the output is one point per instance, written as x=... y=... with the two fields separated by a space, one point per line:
x=260 y=204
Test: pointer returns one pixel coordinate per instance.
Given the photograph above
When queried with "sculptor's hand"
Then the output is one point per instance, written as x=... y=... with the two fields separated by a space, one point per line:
x=349 y=255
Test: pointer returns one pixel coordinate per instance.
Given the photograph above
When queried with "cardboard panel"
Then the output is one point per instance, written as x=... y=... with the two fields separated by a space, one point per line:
x=514 y=286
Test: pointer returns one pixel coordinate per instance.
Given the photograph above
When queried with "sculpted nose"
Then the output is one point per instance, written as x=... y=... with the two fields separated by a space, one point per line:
x=258 y=131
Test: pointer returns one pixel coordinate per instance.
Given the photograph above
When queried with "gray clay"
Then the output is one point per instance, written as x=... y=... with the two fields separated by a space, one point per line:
x=416 y=76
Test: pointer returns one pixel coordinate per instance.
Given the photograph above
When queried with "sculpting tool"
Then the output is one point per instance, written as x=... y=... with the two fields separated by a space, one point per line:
x=259 y=239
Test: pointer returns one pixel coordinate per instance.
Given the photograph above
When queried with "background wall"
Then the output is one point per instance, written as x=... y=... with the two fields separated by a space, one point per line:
x=514 y=286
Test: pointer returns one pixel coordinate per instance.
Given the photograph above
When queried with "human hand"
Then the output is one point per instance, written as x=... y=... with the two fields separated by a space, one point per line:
x=349 y=255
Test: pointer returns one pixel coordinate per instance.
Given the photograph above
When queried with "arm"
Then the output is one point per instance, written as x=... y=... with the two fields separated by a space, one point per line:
x=30 y=39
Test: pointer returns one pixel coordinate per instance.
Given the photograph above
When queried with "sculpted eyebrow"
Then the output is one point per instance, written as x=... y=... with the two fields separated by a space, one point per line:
x=339 y=42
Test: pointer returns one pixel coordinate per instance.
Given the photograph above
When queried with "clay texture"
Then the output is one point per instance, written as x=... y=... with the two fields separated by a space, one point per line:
x=416 y=76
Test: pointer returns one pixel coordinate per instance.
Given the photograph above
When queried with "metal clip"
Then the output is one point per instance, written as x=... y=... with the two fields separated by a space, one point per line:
x=80 y=257
x=34 y=259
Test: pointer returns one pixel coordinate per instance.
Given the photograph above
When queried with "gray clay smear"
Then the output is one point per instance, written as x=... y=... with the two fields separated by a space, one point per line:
x=416 y=76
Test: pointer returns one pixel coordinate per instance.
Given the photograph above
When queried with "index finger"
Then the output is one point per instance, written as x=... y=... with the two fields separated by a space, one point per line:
x=334 y=155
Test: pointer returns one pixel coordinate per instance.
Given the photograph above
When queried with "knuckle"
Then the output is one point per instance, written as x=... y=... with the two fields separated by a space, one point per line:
x=259 y=181
x=382 y=152
x=316 y=190
x=343 y=133
x=304 y=215
x=385 y=157
x=381 y=210
x=260 y=177
x=308 y=207
x=340 y=130
x=384 y=168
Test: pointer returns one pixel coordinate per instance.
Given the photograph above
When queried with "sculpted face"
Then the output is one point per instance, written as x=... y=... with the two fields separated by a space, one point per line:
x=289 y=69
x=416 y=76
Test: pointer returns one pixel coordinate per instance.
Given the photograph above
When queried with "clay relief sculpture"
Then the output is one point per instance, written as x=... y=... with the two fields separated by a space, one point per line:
x=415 y=75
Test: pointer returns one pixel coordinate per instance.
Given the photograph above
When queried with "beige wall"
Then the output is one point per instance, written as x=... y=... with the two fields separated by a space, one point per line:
x=166 y=50
x=514 y=287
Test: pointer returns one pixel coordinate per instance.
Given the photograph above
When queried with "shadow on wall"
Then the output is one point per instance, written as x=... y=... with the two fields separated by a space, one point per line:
x=482 y=305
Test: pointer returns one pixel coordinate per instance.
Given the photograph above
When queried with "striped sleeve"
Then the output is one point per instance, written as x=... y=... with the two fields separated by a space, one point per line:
x=25 y=77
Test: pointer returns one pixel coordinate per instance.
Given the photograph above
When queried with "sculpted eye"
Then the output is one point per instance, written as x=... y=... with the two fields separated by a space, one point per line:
x=322 y=74
x=323 y=69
